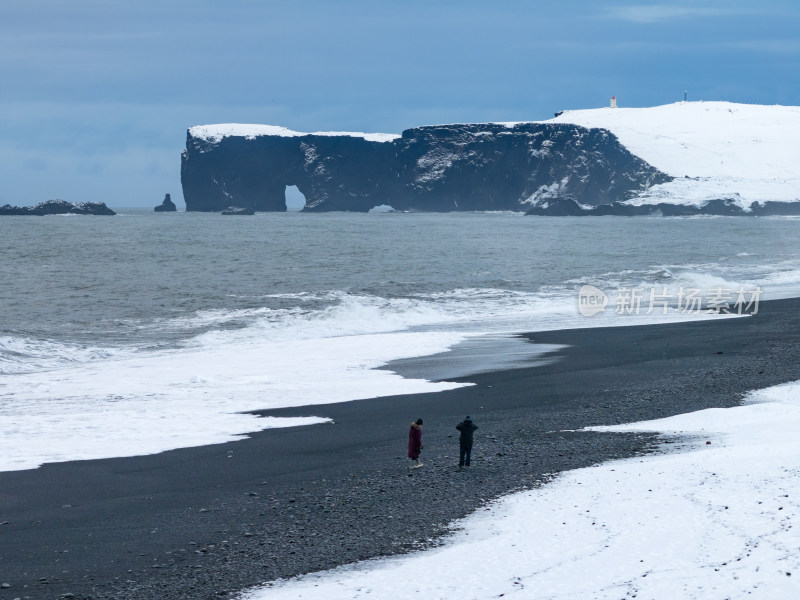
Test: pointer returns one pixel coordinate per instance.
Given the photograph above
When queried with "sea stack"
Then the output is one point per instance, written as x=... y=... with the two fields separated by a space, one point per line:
x=166 y=206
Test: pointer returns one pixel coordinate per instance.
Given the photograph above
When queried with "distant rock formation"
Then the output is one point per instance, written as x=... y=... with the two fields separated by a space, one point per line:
x=59 y=207
x=477 y=167
x=166 y=206
x=728 y=207
x=238 y=210
x=776 y=209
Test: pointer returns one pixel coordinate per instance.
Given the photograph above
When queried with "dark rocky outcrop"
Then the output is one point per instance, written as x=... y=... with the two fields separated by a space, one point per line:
x=166 y=206
x=728 y=207
x=776 y=209
x=438 y=168
x=238 y=210
x=59 y=207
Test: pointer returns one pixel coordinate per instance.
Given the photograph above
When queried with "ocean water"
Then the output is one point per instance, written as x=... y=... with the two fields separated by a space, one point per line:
x=146 y=332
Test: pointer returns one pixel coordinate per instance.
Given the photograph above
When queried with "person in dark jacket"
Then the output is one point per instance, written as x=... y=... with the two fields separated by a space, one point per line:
x=467 y=428
x=415 y=443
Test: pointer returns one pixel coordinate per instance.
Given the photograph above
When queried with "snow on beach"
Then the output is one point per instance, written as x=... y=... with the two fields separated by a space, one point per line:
x=712 y=520
x=744 y=151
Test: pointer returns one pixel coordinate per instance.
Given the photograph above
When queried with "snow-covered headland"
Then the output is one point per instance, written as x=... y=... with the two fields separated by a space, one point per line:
x=442 y=168
x=713 y=520
x=687 y=153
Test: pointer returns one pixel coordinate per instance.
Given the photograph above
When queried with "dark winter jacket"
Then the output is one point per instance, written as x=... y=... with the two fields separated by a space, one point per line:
x=466 y=428
x=414 y=440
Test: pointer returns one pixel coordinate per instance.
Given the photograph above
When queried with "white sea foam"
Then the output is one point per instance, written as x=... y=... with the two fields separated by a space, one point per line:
x=24 y=355
x=325 y=347
x=161 y=400
x=120 y=402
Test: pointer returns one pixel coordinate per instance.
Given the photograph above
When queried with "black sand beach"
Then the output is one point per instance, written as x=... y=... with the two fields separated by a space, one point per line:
x=203 y=523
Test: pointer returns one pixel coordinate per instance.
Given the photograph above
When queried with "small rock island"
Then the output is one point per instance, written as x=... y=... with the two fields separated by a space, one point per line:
x=238 y=210
x=166 y=206
x=58 y=207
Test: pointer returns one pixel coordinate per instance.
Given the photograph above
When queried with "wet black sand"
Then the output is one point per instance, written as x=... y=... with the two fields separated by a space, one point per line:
x=206 y=522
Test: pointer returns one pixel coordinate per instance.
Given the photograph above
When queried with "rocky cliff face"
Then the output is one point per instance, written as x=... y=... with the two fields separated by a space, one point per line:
x=438 y=168
x=720 y=207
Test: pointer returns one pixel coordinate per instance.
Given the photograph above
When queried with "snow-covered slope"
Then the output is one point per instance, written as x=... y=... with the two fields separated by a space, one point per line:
x=724 y=148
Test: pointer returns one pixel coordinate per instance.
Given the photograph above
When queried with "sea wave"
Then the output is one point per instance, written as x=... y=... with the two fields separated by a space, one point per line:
x=159 y=400
x=295 y=349
x=19 y=354
x=341 y=313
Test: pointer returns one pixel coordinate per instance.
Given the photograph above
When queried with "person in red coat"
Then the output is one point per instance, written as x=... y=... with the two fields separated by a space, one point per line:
x=415 y=443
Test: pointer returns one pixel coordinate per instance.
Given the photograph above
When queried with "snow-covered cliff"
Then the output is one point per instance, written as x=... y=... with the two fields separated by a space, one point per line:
x=719 y=155
x=438 y=168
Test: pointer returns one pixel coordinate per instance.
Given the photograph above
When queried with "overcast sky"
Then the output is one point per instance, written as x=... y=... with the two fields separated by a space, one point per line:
x=96 y=95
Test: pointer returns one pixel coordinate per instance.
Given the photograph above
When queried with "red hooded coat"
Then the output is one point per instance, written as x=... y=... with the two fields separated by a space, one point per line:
x=414 y=440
